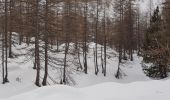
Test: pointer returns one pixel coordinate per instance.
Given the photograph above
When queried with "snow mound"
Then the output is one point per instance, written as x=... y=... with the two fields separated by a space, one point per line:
x=151 y=90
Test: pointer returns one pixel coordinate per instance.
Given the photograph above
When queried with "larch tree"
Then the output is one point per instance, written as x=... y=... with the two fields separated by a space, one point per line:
x=37 y=38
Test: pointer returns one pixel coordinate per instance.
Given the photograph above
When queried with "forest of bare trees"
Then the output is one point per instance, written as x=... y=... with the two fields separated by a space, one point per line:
x=116 y=24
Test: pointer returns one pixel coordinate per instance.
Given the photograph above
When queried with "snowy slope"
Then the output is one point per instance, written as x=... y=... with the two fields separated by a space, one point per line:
x=22 y=76
x=131 y=71
x=152 y=90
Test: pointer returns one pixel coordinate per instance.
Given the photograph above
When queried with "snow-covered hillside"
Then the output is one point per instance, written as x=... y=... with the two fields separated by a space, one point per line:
x=134 y=84
x=22 y=75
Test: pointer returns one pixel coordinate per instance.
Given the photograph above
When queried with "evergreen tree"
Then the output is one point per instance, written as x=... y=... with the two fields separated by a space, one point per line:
x=154 y=51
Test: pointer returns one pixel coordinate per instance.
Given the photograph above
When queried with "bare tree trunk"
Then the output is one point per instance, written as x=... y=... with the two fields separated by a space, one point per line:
x=102 y=59
x=105 y=61
x=3 y=56
x=6 y=42
x=85 y=37
x=67 y=36
x=118 y=74
x=20 y=24
x=46 y=45
x=37 y=56
x=96 y=39
x=105 y=40
x=131 y=30
x=65 y=61
x=10 y=33
x=79 y=58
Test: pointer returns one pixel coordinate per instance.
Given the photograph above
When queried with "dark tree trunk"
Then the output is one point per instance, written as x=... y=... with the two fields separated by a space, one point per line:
x=46 y=45
x=85 y=38
x=37 y=56
x=96 y=40
x=6 y=42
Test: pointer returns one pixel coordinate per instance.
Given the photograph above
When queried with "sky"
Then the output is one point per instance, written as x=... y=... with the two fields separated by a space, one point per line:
x=144 y=4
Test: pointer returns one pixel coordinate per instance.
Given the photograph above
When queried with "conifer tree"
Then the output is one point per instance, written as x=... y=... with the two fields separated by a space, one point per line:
x=154 y=50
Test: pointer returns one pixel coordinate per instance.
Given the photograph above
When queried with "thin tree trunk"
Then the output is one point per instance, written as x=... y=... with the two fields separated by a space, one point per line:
x=65 y=62
x=46 y=45
x=96 y=40
x=10 y=33
x=3 y=55
x=6 y=42
x=85 y=39
x=37 y=82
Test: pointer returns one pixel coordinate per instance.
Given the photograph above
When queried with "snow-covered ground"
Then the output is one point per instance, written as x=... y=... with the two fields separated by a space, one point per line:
x=152 y=90
x=22 y=76
x=134 y=84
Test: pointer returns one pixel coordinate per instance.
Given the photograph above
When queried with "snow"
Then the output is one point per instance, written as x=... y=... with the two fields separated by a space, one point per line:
x=21 y=80
x=131 y=71
x=22 y=77
x=151 y=90
x=133 y=85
